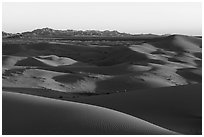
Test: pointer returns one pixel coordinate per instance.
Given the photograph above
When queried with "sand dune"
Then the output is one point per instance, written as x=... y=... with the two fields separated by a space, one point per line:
x=179 y=43
x=176 y=108
x=192 y=75
x=119 y=69
x=31 y=61
x=102 y=56
x=37 y=115
x=130 y=82
x=53 y=60
x=144 y=48
x=98 y=79
x=10 y=61
x=89 y=82
x=45 y=61
x=140 y=77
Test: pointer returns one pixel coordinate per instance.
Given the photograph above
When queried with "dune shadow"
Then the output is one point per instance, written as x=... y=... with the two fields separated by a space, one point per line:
x=119 y=84
x=68 y=78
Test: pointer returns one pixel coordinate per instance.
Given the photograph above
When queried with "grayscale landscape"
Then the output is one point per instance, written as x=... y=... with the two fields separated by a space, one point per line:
x=81 y=82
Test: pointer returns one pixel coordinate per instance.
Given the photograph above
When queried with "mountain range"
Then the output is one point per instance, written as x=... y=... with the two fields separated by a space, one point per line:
x=52 y=33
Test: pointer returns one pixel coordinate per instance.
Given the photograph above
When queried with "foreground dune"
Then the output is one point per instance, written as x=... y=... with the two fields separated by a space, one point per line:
x=26 y=114
x=177 y=108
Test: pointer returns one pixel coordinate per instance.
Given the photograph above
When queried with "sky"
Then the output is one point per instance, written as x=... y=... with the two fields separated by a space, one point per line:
x=134 y=18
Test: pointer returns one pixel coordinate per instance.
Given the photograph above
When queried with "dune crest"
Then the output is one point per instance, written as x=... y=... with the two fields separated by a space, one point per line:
x=95 y=120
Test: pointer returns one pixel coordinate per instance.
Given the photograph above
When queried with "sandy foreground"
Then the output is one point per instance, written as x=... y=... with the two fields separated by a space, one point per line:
x=119 y=114
x=38 y=115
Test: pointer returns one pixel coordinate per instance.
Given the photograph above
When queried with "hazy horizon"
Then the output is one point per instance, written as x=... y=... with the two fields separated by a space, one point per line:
x=134 y=18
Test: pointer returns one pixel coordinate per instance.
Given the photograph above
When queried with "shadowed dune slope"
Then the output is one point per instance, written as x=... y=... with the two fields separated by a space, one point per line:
x=30 y=61
x=26 y=114
x=119 y=69
x=10 y=61
x=177 y=108
x=101 y=56
x=45 y=61
x=192 y=75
